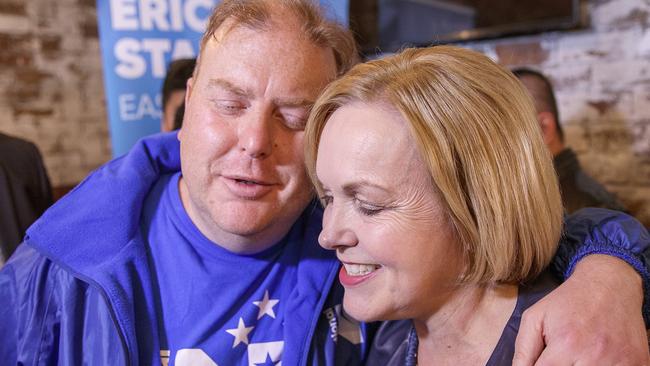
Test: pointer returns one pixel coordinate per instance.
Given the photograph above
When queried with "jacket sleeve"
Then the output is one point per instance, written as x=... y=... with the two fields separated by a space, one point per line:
x=8 y=316
x=601 y=231
x=47 y=317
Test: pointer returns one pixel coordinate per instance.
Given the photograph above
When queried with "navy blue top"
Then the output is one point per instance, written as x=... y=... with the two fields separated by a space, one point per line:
x=387 y=353
x=504 y=351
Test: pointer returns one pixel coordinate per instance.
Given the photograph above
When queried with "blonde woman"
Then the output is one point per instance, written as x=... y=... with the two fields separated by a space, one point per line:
x=440 y=200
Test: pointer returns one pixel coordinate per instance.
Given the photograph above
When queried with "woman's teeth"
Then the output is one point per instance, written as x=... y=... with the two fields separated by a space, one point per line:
x=359 y=269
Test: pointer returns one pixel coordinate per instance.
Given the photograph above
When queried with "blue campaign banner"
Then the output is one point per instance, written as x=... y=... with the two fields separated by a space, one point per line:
x=338 y=10
x=138 y=39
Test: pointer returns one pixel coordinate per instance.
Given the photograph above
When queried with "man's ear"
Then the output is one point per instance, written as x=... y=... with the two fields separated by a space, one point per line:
x=188 y=88
x=548 y=125
x=188 y=91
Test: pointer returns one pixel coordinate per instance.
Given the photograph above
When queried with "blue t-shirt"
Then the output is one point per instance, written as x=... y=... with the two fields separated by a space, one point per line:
x=216 y=307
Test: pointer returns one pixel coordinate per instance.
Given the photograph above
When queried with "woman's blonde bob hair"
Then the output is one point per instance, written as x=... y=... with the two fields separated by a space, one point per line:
x=475 y=128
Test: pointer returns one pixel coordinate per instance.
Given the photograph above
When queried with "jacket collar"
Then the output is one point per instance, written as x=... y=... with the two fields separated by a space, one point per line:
x=92 y=233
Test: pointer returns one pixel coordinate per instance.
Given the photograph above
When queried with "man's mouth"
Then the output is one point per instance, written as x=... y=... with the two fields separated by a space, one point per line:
x=248 y=188
x=247 y=182
x=250 y=180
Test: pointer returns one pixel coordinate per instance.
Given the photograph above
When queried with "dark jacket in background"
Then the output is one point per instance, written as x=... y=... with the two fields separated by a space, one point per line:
x=578 y=189
x=25 y=191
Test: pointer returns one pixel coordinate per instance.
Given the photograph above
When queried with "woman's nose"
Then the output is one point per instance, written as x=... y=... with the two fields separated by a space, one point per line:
x=336 y=232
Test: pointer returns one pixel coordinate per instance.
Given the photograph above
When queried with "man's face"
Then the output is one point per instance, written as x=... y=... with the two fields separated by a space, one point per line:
x=244 y=182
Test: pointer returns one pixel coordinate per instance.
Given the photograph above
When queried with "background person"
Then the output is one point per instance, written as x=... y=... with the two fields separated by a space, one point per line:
x=178 y=117
x=173 y=91
x=578 y=189
x=25 y=191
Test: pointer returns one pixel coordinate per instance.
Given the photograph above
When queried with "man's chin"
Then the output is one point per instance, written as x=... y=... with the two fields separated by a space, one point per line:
x=247 y=225
x=245 y=230
x=257 y=223
x=244 y=224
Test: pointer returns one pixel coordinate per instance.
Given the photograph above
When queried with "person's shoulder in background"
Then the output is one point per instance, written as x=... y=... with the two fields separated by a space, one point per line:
x=25 y=190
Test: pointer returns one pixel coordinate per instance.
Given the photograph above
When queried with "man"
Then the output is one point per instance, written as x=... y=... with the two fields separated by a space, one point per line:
x=206 y=253
x=173 y=91
x=25 y=191
x=578 y=189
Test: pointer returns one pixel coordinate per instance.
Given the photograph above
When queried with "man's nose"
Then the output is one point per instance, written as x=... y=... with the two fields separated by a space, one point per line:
x=256 y=135
x=337 y=232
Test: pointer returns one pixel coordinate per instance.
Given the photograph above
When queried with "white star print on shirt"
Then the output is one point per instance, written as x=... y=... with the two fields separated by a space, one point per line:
x=266 y=306
x=240 y=333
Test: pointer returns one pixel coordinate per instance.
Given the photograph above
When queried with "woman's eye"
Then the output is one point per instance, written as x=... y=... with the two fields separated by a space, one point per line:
x=368 y=209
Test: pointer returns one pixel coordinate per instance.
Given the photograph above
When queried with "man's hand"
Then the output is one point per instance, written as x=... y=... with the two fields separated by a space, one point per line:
x=594 y=318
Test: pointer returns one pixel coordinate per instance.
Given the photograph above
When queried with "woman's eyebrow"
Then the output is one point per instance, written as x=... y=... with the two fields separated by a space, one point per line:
x=354 y=187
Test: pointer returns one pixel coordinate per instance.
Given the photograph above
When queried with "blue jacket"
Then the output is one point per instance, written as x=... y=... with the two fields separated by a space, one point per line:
x=79 y=289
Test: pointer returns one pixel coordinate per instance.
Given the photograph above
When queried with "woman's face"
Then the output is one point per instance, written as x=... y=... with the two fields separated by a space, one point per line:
x=383 y=217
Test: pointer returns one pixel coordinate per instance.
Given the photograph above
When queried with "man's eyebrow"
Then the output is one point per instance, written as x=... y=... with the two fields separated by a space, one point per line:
x=282 y=102
x=228 y=86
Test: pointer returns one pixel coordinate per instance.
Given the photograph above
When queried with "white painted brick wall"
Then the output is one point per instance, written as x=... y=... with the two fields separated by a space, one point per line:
x=602 y=81
x=65 y=114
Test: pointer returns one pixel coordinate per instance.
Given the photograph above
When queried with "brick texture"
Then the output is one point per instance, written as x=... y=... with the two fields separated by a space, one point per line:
x=602 y=79
x=51 y=88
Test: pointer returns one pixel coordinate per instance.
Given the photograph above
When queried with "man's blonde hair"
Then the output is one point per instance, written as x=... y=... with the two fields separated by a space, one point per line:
x=475 y=127
x=265 y=14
